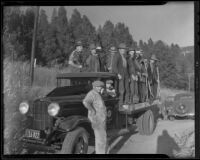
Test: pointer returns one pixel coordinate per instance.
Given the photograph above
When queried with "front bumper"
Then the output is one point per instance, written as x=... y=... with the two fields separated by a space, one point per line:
x=38 y=147
x=189 y=115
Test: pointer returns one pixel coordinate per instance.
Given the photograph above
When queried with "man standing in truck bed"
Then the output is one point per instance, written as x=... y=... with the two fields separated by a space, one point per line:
x=76 y=58
x=120 y=67
x=93 y=61
x=153 y=75
x=97 y=115
x=133 y=69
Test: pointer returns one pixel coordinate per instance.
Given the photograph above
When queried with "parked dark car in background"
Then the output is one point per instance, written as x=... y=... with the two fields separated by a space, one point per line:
x=179 y=106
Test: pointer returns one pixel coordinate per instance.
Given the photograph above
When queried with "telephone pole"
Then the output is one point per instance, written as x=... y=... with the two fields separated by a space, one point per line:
x=33 y=44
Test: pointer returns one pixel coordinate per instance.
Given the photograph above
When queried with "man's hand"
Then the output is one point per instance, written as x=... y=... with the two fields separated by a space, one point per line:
x=119 y=76
x=133 y=77
x=80 y=66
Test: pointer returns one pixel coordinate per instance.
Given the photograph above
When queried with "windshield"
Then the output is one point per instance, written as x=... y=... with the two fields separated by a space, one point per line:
x=62 y=82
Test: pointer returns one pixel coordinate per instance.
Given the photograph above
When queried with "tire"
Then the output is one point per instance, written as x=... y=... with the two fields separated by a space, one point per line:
x=71 y=140
x=149 y=122
x=140 y=124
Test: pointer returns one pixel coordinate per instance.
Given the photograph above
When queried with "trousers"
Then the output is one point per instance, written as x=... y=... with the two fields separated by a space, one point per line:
x=154 y=88
x=134 y=91
x=124 y=90
x=100 y=138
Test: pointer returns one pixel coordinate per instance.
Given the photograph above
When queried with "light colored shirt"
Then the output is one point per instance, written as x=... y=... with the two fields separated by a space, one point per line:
x=95 y=100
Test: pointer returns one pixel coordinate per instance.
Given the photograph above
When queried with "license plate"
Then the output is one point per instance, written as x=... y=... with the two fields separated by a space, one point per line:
x=30 y=133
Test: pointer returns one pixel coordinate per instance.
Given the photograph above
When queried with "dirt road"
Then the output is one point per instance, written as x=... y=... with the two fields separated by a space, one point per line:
x=161 y=141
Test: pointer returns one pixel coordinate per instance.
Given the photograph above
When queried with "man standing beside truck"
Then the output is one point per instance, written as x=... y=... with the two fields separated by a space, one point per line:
x=97 y=115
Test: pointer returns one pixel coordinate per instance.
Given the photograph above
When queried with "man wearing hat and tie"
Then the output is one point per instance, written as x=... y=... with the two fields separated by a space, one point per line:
x=76 y=58
x=133 y=76
x=93 y=61
x=102 y=57
x=97 y=115
x=109 y=59
x=120 y=67
x=153 y=75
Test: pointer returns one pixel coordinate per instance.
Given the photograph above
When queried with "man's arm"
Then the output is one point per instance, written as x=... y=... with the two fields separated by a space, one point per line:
x=88 y=101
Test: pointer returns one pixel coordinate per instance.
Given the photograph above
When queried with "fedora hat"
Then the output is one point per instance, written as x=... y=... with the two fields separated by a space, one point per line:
x=113 y=49
x=92 y=46
x=79 y=43
x=153 y=57
x=122 y=46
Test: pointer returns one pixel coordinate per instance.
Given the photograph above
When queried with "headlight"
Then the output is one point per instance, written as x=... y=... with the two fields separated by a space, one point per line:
x=23 y=107
x=53 y=109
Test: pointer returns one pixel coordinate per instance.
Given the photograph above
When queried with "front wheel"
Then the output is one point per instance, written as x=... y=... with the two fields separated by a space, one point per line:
x=76 y=142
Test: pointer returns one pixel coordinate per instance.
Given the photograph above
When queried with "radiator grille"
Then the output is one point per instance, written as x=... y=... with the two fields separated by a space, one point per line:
x=41 y=118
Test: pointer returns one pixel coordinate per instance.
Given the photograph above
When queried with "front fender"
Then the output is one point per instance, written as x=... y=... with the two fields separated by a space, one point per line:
x=72 y=122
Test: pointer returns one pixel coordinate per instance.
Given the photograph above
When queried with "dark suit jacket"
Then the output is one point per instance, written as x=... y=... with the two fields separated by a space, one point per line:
x=152 y=73
x=117 y=65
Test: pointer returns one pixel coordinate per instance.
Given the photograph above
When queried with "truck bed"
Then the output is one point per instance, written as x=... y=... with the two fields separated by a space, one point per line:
x=133 y=108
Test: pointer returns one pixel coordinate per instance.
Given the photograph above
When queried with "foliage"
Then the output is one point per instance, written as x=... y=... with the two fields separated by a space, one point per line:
x=56 y=40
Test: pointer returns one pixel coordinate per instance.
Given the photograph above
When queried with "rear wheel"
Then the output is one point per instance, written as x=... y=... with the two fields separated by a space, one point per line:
x=140 y=124
x=146 y=123
x=149 y=122
x=75 y=142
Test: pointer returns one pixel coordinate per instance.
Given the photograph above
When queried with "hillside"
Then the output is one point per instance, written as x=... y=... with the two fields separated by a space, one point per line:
x=187 y=49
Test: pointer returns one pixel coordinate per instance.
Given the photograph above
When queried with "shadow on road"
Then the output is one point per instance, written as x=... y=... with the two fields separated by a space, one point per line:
x=166 y=144
x=125 y=136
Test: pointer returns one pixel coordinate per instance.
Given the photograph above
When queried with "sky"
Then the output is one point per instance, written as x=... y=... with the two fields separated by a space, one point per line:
x=171 y=23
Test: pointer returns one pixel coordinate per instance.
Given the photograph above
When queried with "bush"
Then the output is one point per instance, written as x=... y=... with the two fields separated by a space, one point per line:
x=17 y=88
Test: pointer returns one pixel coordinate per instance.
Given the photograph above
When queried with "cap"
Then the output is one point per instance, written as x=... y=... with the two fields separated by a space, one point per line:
x=154 y=57
x=113 y=49
x=98 y=84
x=131 y=49
x=79 y=43
x=109 y=81
x=92 y=46
x=122 y=46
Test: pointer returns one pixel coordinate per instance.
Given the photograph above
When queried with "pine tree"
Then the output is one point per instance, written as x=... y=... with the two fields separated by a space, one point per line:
x=43 y=26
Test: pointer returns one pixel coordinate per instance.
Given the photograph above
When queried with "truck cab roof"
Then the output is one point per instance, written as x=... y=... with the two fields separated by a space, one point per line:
x=86 y=75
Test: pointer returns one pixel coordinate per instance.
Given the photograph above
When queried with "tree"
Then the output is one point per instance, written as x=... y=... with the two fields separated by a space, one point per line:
x=75 y=25
x=106 y=35
x=43 y=26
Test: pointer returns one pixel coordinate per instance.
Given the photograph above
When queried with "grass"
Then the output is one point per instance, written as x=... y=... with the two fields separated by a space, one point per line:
x=16 y=82
x=186 y=142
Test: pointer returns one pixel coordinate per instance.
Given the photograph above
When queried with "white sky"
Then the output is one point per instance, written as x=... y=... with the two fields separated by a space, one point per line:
x=171 y=23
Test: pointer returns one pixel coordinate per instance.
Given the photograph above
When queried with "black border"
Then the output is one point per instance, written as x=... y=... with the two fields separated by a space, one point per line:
x=107 y=3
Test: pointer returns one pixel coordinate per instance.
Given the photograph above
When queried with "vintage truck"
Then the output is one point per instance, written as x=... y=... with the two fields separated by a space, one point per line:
x=58 y=123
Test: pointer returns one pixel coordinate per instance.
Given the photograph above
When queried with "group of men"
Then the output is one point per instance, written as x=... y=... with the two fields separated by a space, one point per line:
x=138 y=80
x=138 y=77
